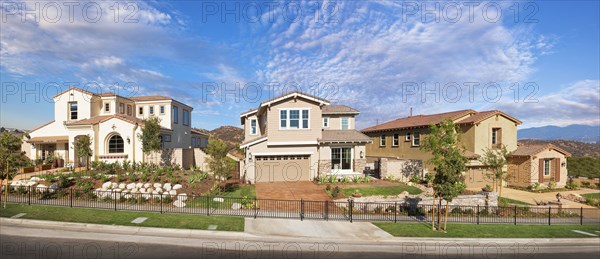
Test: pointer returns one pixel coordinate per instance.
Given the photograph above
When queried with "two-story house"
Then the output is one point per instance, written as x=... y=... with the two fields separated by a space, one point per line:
x=113 y=123
x=297 y=137
x=401 y=139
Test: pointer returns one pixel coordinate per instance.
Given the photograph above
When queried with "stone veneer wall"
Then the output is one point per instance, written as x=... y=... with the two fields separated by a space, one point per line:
x=324 y=167
x=483 y=199
x=359 y=165
x=402 y=169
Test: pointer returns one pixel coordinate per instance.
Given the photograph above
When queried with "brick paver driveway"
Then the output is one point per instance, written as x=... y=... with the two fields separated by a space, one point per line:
x=291 y=191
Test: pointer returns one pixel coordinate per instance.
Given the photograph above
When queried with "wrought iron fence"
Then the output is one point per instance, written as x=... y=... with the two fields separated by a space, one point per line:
x=298 y=209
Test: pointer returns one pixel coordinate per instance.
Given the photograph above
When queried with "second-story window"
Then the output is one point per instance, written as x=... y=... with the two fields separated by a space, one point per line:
x=141 y=111
x=253 y=130
x=395 y=140
x=162 y=109
x=294 y=119
x=73 y=111
x=129 y=110
x=175 y=114
x=382 y=141
x=283 y=119
x=416 y=140
x=496 y=137
x=107 y=107
x=325 y=122
x=186 y=117
x=407 y=136
x=151 y=111
x=345 y=123
x=121 y=108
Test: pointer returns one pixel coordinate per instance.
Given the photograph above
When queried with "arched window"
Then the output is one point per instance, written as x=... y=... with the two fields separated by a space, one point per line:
x=116 y=144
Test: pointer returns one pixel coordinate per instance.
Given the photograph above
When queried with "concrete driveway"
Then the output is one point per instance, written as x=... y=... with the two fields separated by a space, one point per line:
x=315 y=228
x=291 y=191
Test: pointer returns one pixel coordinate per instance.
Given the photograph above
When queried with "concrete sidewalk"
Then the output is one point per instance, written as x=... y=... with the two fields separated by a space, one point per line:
x=315 y=229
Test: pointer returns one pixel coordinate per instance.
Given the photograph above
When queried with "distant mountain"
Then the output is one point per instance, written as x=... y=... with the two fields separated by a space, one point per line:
x=576 y=148
x=582 y=133
x=232 y=136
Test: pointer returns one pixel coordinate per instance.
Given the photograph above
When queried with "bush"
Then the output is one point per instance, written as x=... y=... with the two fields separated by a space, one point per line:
x=197 y=177
x=429 y=178
x=322 y=179
x=585 y=184
x=584 y=166
x=336 y=191
x=487 y=188
x=332 y=179
x=415 y=179
x=571 y=185
x=551 y=185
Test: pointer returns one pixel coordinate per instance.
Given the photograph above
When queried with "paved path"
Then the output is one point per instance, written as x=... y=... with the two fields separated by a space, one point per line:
x=292 y=191
x=531 y=197
x=315 y=229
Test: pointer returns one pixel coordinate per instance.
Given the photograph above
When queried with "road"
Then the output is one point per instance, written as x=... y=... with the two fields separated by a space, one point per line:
x=24 y=242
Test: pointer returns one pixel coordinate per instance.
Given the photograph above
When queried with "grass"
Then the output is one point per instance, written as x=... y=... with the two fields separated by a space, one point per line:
x=511 y=201
x=240 y=192
x=489 y=230
x=123 y=218
x=591 y=195
x=383 y=190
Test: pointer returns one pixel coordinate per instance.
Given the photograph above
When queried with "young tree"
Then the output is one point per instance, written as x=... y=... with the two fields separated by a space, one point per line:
x=83 y=147
x=496 y=159
x=150 y=136
x=218 y=162
x=448 y=160
x=11 y=158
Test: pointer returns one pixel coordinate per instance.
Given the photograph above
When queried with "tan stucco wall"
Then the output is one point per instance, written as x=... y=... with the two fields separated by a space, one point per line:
x=283 y=135
x=483 y=134
x=335 y=122
x=404 y=150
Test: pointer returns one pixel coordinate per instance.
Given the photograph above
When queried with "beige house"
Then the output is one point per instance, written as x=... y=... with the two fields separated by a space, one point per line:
x=399 y=140
x=297 y=137
x=112 y=122
x=543 y=164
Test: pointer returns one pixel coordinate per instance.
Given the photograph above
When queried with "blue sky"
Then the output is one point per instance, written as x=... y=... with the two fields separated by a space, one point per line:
x=381 y=57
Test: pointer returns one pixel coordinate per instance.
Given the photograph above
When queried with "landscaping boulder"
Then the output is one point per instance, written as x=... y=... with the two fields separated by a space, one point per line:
x=122 y=186
x=143 y=190
x=236 y=206
x=139 y=185
x=173 y=192
x=219 y=199
x=157 y=185
x=177 y=187
x=147 y=185
x=167 y=186
x=40 y=188
x=35 y=179
x=53 y=187
x=146 y=196
x=149 y=190
x=115 y=185
x=131 y=186
x=135 y=190
x=182 y=197
x=159 y=190
x=179 y=204
x=155 y=193
x=127 y=196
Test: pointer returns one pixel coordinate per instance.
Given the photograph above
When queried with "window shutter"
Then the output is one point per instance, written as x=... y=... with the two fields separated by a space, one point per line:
x=499 y=138
x=541 y=171
x=556 y=169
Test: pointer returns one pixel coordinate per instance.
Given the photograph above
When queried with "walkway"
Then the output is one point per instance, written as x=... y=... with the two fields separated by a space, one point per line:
x=531 y=197
x=308 y=191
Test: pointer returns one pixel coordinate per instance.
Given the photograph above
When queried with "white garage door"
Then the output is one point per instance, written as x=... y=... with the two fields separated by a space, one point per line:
x=282 y=168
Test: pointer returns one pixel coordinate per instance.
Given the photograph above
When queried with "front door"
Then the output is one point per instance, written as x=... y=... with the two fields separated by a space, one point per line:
x=341 y=160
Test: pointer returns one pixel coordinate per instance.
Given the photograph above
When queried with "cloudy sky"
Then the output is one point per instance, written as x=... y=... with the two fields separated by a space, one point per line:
x=537 y=61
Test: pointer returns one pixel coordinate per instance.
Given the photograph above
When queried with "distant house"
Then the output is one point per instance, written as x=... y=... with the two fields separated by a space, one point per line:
x=297 y=137
x=113 y=123
x=542 y=164
x=400 y=139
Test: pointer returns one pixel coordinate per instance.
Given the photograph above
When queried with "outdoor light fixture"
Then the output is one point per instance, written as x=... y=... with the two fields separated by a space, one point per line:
x=128 y=140
x=362 y=154
x=250 y=157
x=563 y=164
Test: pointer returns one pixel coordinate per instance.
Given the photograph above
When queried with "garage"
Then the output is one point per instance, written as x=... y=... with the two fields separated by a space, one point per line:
x=292 y=168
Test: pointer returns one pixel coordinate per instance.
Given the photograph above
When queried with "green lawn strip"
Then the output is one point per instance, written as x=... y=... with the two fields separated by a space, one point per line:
x=511 y=201
x=489 y=230
x=240 y=192
x=382 y=190
x=591 y=195
x=124 y=218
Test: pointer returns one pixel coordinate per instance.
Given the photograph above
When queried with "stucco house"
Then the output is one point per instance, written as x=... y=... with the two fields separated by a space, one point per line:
x=297 y=137
x=113 y=123
x=397 y=142
x=544 y=164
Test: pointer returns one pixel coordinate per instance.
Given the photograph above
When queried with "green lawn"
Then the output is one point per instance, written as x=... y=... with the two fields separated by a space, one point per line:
x=490 y=231
x=240 y=192
x=123 y=218
x=591 y=195
x=381 y=190
x=511 y=201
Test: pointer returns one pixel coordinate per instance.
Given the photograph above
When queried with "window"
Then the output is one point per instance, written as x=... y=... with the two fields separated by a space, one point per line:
x=107 y=107
x=341 y=158
x=151 y=110
x=345 y=123
x=407 y=136
x=416 y=140
x=325 y=122
x=141 y=111
x=382 y=141
x=129 y=110
x=175 y=114
x=547 y=167
x=121 y=108
x=73 y=110
x=186 y=117
x=395 y=141
x=116 y=144
x=166 y=138
x=294 y=119
x=162 y=109
x=496 y=137
x=253 y=127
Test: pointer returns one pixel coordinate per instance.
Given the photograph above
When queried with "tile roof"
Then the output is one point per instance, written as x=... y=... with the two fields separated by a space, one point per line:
x=338 y=109
x=102 y=118
x=150 y=98
x=294 y=92
x=76 y=89
x=418 y=120
x=200 y=131
x=481 y=116
x=252 y=140
x=343 y=136
x=44 y=125
x=531 y=150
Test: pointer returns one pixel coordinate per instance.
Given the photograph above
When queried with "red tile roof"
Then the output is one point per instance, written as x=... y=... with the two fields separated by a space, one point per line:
x=339 y=109
x=531 y=150
x=343 y=136
x=481 y=116
x=419 y=121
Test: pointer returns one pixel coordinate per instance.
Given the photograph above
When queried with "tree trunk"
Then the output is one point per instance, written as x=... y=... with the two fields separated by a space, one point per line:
x=6 y=191
x=446 y=218
x=439 y=220
x=433 y=214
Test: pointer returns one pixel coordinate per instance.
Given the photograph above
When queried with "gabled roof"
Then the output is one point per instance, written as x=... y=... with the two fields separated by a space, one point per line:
x=532 y=150
x=102 y=118
x=343 y=136
x=253 y=141
x=76 y=89
x=338 y=109
x=200 y=132
x=44 y=125
x=151 y=98
x=295 y=94
x=419 y=121
x=481 y=116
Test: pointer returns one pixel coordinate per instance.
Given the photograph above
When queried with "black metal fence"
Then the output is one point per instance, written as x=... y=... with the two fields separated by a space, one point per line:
x=298 y=209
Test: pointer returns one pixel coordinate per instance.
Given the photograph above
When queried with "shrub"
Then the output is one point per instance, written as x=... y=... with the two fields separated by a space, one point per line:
x=551 y=185
x=390 y=178
x=571 y=185
x=328 y=188
x=197 y=177
x=415 y=179
x=322 y=179
x=336 y=191
x=366 y=179
x=585 y=184
x=345 y=179
x=247 y=202
x=487 y=188
x=63 y=181
x=378 y=210
x=85 y=186
x=332 y=179
x=429 y=178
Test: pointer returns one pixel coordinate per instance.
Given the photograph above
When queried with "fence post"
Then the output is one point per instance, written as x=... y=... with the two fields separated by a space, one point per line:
x=395 y=212
x=350 y=205
x=301 y=209
x=581 y=216
x=549 y=216
x=71 y=197
x=327 y=210
x=29 y=195
x=115 y=198
x=477 y=214
x=255 y=208
x=515 y=214
x=207 y=205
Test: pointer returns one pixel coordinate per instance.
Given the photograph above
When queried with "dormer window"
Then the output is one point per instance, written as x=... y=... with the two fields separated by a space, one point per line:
x=121 y=108
x=345 y=123
x=107 y=107
x=73 y=110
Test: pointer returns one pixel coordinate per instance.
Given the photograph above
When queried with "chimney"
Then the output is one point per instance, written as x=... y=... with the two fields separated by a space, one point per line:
x=410 y=115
